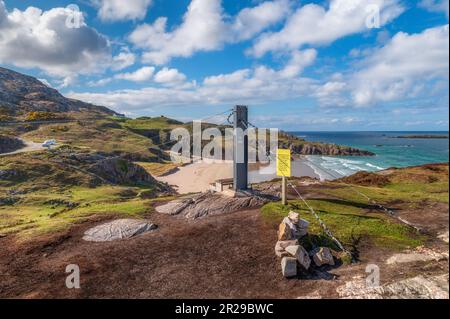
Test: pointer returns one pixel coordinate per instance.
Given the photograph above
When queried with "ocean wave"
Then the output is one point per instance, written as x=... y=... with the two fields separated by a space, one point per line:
x=375 y=166
x=329 y=168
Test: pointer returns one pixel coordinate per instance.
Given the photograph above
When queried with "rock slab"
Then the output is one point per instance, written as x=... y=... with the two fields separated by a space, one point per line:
x=118 y=229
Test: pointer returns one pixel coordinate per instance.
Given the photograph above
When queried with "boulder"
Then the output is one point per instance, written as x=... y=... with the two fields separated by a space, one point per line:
x=120 y=171
x=284 y=232
x=118 y=229
x=10 y=144
x=302 y=227
x=293 y=216
x=323 y=256
x=300 y=254
x=298 y=229
x=289 y=267
x=281 y=245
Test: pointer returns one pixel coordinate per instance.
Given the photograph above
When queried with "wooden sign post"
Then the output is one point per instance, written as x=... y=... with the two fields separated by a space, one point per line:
x=284 y=170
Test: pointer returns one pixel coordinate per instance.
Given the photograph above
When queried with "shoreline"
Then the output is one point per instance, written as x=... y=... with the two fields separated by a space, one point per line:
x=197 y=177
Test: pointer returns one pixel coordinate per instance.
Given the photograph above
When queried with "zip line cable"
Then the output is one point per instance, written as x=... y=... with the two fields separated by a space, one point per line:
x=313 y=212
x=311 y=209
x=373 y=202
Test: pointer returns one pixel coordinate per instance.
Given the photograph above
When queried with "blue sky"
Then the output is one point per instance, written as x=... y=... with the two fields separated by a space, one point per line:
x=299 y=65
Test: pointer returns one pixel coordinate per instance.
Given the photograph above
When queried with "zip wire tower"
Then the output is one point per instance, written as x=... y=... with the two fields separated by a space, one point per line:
x=240 y=148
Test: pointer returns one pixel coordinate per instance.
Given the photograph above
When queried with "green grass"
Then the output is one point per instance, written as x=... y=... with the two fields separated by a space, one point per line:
x=147 y=123
x=103 y=135
x=33 y=215
x=348 y=223
x=413 y=194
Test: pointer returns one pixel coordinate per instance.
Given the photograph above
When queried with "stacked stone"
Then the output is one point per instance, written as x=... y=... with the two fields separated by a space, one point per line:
x=293 y=255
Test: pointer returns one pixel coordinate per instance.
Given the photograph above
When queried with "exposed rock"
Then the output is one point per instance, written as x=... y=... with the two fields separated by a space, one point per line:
x=302 y=147
x=421 y=254
x=300 y=254
x=302 y=229
x=323 y=256
x=21 y=93
x=10 y=144
x=207 y=204
x=8 y=173
x=419 y=287
x=120 y=171
x=7 y=201
x=289 y=267
x=281 y=245
x=118 y=229
x=444 y=236
x=293 y=217
x=284 y=232
x=298 y=229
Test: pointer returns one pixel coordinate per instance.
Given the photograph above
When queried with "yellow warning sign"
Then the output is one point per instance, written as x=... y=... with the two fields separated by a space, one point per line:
x=284 y=162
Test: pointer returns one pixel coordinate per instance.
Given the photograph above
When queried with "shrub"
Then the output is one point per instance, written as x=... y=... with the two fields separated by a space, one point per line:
x=42 y=116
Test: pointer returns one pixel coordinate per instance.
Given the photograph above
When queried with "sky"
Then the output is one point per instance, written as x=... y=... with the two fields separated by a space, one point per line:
x=334 y=65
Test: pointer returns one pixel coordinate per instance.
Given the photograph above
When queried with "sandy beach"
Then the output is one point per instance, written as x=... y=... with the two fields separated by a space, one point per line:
x=197 y=177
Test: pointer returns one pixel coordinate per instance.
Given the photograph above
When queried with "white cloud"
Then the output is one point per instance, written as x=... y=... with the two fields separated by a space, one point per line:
x=101 y=82
x=120 y=10
x=36 y=38
x=312 y=24
x=204 y=28
x=403 y=68
x=123 y=60
x=435 y=6
x=262 y=75
x=140 y=75
x=228 y=79
x=169 y=76
x=251 y=21
x=299 y=60
x=332 y=93
x=253 y=86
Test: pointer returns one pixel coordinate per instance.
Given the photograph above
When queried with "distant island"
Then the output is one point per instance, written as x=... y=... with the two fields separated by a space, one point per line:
x=423 y=136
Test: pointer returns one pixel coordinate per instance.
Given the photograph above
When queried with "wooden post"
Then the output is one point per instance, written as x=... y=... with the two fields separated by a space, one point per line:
x=283 y=190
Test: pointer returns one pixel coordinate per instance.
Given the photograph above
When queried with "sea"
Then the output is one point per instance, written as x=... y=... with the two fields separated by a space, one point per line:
x=390 y=151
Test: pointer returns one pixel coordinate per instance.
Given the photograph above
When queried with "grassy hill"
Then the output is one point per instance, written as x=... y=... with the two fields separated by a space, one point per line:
x=419 y=194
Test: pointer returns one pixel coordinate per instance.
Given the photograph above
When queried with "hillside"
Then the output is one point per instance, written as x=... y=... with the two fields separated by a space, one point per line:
x=43 y=113
x=9 y=144
x=48 y=221
x=22 y=94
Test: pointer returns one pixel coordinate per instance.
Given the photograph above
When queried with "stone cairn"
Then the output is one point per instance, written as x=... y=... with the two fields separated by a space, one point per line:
x=293 y=256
